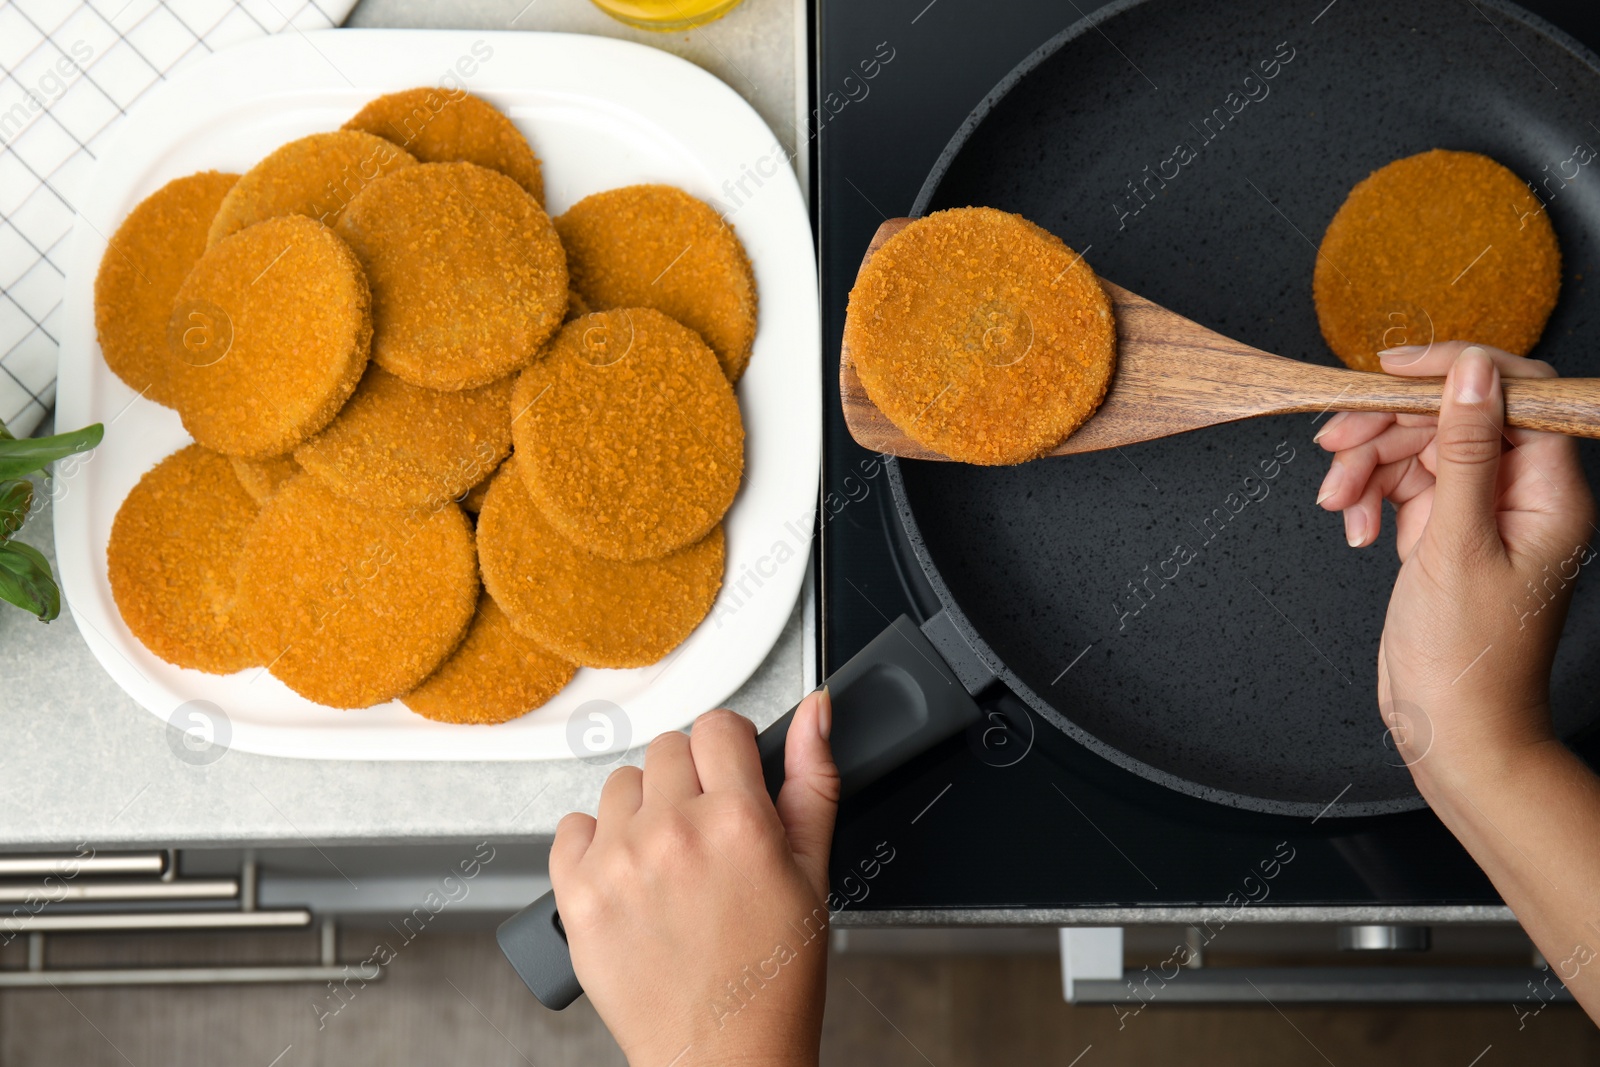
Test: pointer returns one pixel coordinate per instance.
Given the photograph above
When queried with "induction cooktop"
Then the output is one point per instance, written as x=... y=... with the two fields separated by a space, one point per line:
x=1028 y=820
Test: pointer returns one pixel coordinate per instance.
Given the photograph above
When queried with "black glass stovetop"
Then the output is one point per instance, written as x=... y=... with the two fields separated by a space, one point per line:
x=1060 y=827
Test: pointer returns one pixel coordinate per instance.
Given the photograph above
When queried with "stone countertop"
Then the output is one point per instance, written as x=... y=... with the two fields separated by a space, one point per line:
x=81 y=762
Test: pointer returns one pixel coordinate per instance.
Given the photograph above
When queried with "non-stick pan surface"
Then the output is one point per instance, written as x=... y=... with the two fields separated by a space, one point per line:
x=1182 y=607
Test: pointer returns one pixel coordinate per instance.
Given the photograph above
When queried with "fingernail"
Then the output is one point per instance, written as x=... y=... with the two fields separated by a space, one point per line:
x=1338 y=416
x=1330 y=484
x=1402 y=350
x=825 y=713
x=1472 y=376
x=1355 y=526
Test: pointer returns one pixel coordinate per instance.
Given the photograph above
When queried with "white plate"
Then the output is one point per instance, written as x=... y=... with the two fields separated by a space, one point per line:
x=600 y=113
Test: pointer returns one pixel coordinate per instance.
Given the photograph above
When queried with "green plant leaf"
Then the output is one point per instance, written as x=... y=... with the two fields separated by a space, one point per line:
x=26 y=582
x=15 y=500
x=19 y=458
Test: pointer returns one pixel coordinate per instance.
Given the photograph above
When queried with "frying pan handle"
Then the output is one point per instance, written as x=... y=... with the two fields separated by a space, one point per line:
x=892 y=701
x=536 y=944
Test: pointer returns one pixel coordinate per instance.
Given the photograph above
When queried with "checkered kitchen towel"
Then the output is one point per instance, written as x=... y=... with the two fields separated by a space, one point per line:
x=68 y=71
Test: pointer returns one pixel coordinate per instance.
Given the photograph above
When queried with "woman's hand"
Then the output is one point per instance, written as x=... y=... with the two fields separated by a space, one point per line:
x=694 y=909
x=1492 y=527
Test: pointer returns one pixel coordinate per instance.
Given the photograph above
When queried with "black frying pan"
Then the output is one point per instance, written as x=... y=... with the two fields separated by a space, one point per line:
x=1248 y=677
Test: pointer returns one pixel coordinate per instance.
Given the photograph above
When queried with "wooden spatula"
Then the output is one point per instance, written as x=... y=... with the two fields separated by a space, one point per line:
x=1175 y=375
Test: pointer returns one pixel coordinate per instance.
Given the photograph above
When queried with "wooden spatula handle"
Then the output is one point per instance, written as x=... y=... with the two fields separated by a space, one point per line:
x=1559 y=405
x=1562 y=405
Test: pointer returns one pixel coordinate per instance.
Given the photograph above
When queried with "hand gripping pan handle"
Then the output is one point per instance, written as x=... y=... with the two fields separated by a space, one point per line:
x=894 y=700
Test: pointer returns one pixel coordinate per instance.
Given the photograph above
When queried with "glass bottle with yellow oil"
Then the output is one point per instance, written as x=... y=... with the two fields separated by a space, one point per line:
x=666 y=14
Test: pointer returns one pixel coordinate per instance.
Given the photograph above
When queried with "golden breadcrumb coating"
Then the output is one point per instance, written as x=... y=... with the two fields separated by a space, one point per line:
x=627 y=434
x=445 y=126
x=351 y=605
x=981 y=336
x=261 y=477
x=468 y=276
x=399 y=445
x=472 y=501
x=316 y=176
x=576 y=307
x=1441 y=246
x=656 y=246
x=271 y=331
x=595 y=612
x=173 y=561
x=146 y=260
x=496 y=675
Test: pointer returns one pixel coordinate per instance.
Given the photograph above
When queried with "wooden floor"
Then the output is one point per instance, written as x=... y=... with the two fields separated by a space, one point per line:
x=451 y=999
